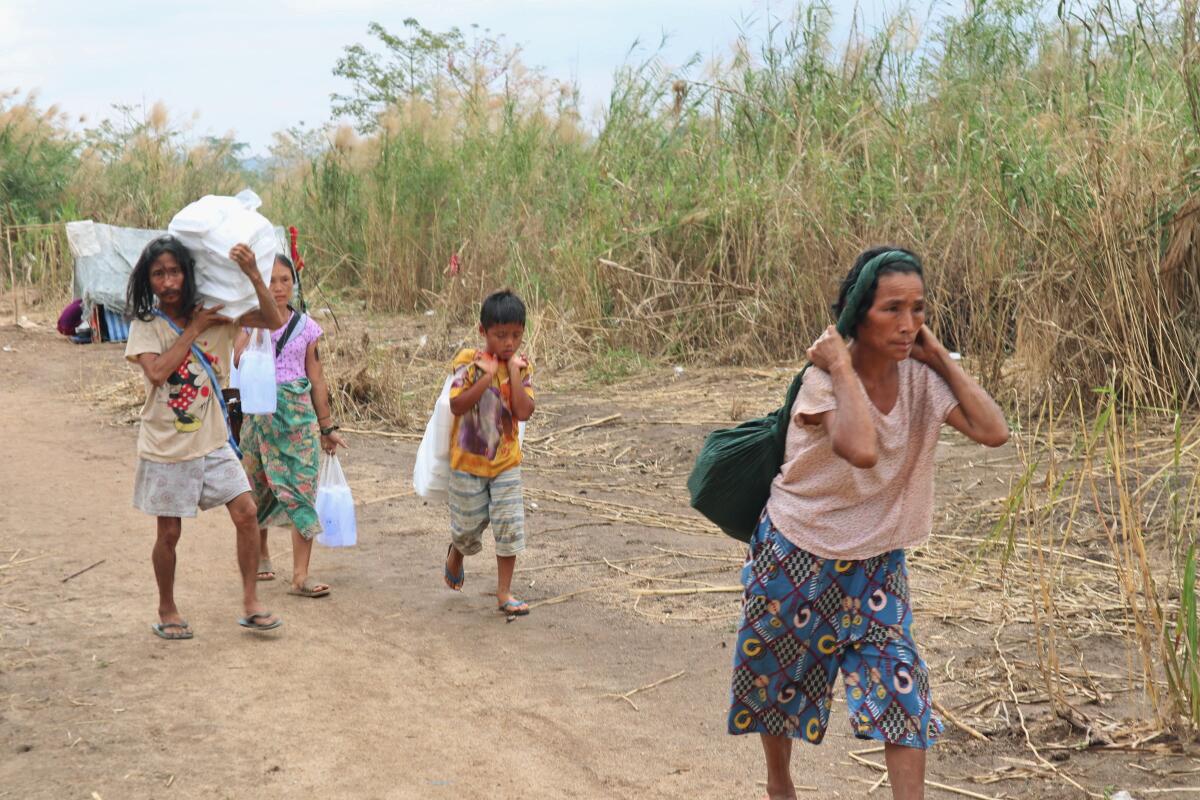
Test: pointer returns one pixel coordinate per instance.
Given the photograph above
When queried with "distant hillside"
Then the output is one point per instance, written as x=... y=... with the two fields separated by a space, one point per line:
x=259 y=165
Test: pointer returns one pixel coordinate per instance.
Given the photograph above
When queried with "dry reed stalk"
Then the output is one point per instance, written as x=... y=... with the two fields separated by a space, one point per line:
x=588 y=563
x=703 y=556
x=1021 y=714
x=958 y=723
x=626 y=696
x=697 y=590
x=581 y=426
x=666 y=578
x=550 y=601
x=411 y=437
x=875 y=765
x=621 y=512
x=11 y=564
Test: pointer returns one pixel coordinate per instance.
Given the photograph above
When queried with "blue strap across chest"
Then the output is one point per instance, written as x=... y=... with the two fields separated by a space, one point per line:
x=198 y=354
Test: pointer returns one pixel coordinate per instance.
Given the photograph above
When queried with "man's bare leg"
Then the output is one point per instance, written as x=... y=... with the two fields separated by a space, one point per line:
x=163 y=557
x=244 y=514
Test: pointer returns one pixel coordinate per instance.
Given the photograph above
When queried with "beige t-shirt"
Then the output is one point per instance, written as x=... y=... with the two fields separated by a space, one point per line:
x=182 y=419
x=823 y=504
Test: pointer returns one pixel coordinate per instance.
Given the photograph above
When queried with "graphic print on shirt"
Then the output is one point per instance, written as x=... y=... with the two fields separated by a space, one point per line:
x=189 y=385
x=485 y=426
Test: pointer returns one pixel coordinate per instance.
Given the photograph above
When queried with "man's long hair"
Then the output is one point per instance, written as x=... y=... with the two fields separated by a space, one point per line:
x=139 y=297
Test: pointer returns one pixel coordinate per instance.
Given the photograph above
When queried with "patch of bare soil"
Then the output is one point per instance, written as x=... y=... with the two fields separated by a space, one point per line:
x=394 y=687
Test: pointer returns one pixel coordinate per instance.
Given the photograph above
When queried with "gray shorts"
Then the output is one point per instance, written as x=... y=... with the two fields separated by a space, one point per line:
x=475 y=501
x=178 y=489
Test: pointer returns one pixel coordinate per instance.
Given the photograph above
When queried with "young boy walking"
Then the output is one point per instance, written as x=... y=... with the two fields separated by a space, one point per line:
x=491 y=393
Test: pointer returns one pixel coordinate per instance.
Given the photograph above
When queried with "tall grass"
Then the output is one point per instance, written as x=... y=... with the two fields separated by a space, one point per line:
x=137 y=170
x=36 y=159
x=1037 y=163
x=1043 y=164
x=1108 y=511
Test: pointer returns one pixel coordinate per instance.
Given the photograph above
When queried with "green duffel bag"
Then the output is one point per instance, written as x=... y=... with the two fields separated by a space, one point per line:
x=731 y=480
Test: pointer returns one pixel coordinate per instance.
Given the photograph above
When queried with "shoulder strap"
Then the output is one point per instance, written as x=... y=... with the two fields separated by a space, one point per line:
x=287 y=333
x=198 y=354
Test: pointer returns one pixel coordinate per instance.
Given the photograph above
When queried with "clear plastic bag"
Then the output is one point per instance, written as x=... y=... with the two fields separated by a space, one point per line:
x=335 y=506
x=256 y=374
x=431 y=472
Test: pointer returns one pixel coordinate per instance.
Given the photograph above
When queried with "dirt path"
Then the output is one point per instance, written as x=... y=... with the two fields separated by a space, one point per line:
x=393 y=687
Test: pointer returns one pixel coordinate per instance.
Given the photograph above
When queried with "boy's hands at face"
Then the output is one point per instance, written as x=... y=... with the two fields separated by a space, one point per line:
x=488 y=363
x=518 y=362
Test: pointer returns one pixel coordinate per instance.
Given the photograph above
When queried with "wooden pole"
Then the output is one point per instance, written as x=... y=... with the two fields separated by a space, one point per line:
x=12 y=275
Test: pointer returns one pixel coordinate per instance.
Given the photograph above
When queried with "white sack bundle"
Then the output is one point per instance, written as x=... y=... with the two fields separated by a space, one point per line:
x=209 y=228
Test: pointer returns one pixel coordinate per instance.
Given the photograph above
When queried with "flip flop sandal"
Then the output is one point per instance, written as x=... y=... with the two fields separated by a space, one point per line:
x=264 y=566
x=453 y=581
x=161 y=630
x=514 y=608
x=248 y=622
x=306 y=588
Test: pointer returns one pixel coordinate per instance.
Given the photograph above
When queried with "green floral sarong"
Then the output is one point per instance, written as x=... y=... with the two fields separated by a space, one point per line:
x=281 y=456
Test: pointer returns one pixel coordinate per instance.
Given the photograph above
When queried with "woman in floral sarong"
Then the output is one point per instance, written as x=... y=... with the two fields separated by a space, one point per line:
x=280 y=451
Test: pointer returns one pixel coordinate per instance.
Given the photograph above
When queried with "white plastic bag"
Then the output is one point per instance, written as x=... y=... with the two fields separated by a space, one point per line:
x=431 y=473
x=335 y=506
x=209 y=228
x=256 y=374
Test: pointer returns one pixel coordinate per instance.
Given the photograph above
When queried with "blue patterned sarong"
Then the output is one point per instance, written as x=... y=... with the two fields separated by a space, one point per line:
x=805 y=618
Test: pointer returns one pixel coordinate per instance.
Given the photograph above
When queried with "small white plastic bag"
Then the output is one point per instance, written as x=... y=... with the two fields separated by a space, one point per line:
x=335 y=506
x=256 y=374
x=431 y=472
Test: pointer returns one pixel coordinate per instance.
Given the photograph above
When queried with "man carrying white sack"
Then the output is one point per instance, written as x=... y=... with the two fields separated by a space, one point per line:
x=186 y=456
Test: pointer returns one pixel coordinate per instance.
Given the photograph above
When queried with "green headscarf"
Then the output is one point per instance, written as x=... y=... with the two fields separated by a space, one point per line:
x=864 y=282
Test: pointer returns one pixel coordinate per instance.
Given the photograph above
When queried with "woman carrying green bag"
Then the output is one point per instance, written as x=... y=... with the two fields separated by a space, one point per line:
x=826 y=585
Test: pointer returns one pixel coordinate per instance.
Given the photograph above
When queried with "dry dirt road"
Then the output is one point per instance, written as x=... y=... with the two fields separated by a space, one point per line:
x=393 y=687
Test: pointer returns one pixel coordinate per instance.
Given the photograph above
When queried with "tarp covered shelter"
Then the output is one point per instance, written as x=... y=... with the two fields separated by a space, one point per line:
x=104 y=258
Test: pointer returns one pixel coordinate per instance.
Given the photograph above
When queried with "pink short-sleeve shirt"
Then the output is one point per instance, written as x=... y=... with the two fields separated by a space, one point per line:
x=823 y=504
x=289 y=365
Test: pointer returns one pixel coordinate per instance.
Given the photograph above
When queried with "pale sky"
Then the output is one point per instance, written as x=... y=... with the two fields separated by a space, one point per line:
x=258 y=66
